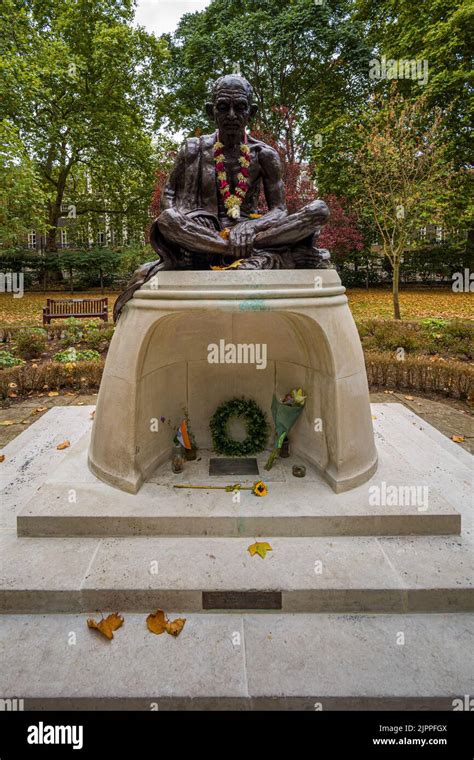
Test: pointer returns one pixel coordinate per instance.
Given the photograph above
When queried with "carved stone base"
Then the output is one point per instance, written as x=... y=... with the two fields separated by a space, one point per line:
x=298 y=321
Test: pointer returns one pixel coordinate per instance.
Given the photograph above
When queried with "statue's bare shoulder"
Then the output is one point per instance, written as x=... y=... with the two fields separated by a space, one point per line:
x=267 y=157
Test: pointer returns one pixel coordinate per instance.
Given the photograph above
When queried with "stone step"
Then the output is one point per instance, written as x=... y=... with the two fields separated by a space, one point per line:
x=240 y=661
x=325 y=574
x=398 y=500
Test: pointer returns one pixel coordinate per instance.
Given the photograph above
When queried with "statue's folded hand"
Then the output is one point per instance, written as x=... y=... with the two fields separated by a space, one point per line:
x=241 y=240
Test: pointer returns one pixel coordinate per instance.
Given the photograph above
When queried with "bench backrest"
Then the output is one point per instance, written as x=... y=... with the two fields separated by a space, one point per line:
x=76 y=306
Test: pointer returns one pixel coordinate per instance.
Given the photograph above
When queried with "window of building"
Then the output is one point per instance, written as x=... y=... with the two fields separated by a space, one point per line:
x=32 y=239
x=101 y=238
x=63 y=237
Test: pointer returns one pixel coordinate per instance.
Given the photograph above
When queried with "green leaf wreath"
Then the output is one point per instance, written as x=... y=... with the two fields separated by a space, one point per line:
x=255 y=421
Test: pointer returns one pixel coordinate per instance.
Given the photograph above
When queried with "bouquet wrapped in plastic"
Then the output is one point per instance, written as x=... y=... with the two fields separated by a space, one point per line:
x=285 y=413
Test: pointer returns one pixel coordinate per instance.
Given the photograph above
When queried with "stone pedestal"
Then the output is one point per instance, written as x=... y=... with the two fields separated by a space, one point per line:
x=158 y=365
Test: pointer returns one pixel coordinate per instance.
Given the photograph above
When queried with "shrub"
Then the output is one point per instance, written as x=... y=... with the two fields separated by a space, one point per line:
x=73 y=332
x=72 y=355
x=31 y=342
x=420 y=373
x=97 y=337
x=8 y=360
x=54 y=375
x=388 y=335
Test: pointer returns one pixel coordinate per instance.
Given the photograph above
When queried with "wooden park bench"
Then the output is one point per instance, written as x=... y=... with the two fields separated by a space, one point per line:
x=81 y=308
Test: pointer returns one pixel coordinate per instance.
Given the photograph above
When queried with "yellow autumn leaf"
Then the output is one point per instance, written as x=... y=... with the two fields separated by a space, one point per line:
x=158 y=623
x=261 y=548
x=457 y=438
x=107 y=625
x=7 y=422
x=53 y=393
x=63 y=445
x=41 y=409
x=409 y=398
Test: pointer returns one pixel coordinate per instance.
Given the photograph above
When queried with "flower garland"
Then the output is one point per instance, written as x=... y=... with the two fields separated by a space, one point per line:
x=232 y=202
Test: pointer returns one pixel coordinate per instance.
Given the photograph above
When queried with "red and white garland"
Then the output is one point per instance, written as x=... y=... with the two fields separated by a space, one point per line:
x=232 y=202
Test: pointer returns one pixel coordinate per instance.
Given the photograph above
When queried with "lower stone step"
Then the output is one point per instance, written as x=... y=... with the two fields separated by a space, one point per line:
x=338 y=574
x=234 y=661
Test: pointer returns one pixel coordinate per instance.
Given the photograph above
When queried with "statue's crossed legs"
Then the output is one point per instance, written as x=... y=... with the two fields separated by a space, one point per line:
x=288 y=243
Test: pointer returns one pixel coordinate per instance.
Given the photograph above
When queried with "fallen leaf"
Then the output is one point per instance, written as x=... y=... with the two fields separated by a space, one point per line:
x=107 y=625
x=260 y=548
x=7 y=422
x=11 y=394
x=63 y=445
x=12 y=385
x=457 y=438
x=158 y=623
x=409 y=398
x=53 y=393
x=2 y=457
x=80 y=403
x=41 y=409
x=92 y=414
x=34 y=366
x=374 y=417
x=174 y=627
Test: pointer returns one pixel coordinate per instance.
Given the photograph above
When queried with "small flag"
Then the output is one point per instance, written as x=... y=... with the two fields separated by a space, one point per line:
x=183 y=435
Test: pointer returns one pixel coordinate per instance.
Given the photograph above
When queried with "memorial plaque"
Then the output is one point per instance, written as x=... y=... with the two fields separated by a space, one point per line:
x=241 y=600
x=233 y=466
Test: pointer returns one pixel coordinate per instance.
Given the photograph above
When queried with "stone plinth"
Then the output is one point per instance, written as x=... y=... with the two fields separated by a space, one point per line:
x=158 y=365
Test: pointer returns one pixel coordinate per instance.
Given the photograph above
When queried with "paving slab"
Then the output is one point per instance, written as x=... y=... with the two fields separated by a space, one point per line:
x=325 y=574
x=73 y=502
x=233 y=661
x=32 y=457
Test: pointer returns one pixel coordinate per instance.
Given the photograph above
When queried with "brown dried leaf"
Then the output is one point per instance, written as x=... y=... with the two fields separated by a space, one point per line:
x=158 y=623
x=458 y=438
x=107 y=625
x=2 y=457
x=174 y=627
x=63 y=445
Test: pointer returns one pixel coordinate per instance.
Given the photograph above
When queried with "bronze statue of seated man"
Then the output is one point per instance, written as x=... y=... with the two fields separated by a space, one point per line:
x=209 y=203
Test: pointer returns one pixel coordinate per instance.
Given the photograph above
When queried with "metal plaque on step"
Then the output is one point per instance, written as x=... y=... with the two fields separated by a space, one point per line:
x=231 y=466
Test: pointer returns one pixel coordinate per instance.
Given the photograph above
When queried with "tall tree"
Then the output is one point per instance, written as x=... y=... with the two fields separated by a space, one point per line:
x=22 y=200
x=80 y=83
x=404 y=175
x=310 y=59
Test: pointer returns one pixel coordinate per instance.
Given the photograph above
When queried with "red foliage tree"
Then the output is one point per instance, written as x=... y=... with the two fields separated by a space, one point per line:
x=341 y=235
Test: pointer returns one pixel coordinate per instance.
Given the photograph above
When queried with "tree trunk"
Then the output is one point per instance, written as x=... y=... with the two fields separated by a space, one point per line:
x=101 y=281
x=395 y=288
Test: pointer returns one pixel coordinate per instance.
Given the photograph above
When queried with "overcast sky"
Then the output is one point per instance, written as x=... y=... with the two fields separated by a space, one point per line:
x=162 y=16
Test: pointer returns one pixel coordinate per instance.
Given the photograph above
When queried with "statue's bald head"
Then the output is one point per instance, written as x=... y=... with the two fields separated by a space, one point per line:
x=231 y=106
x=232 y=82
